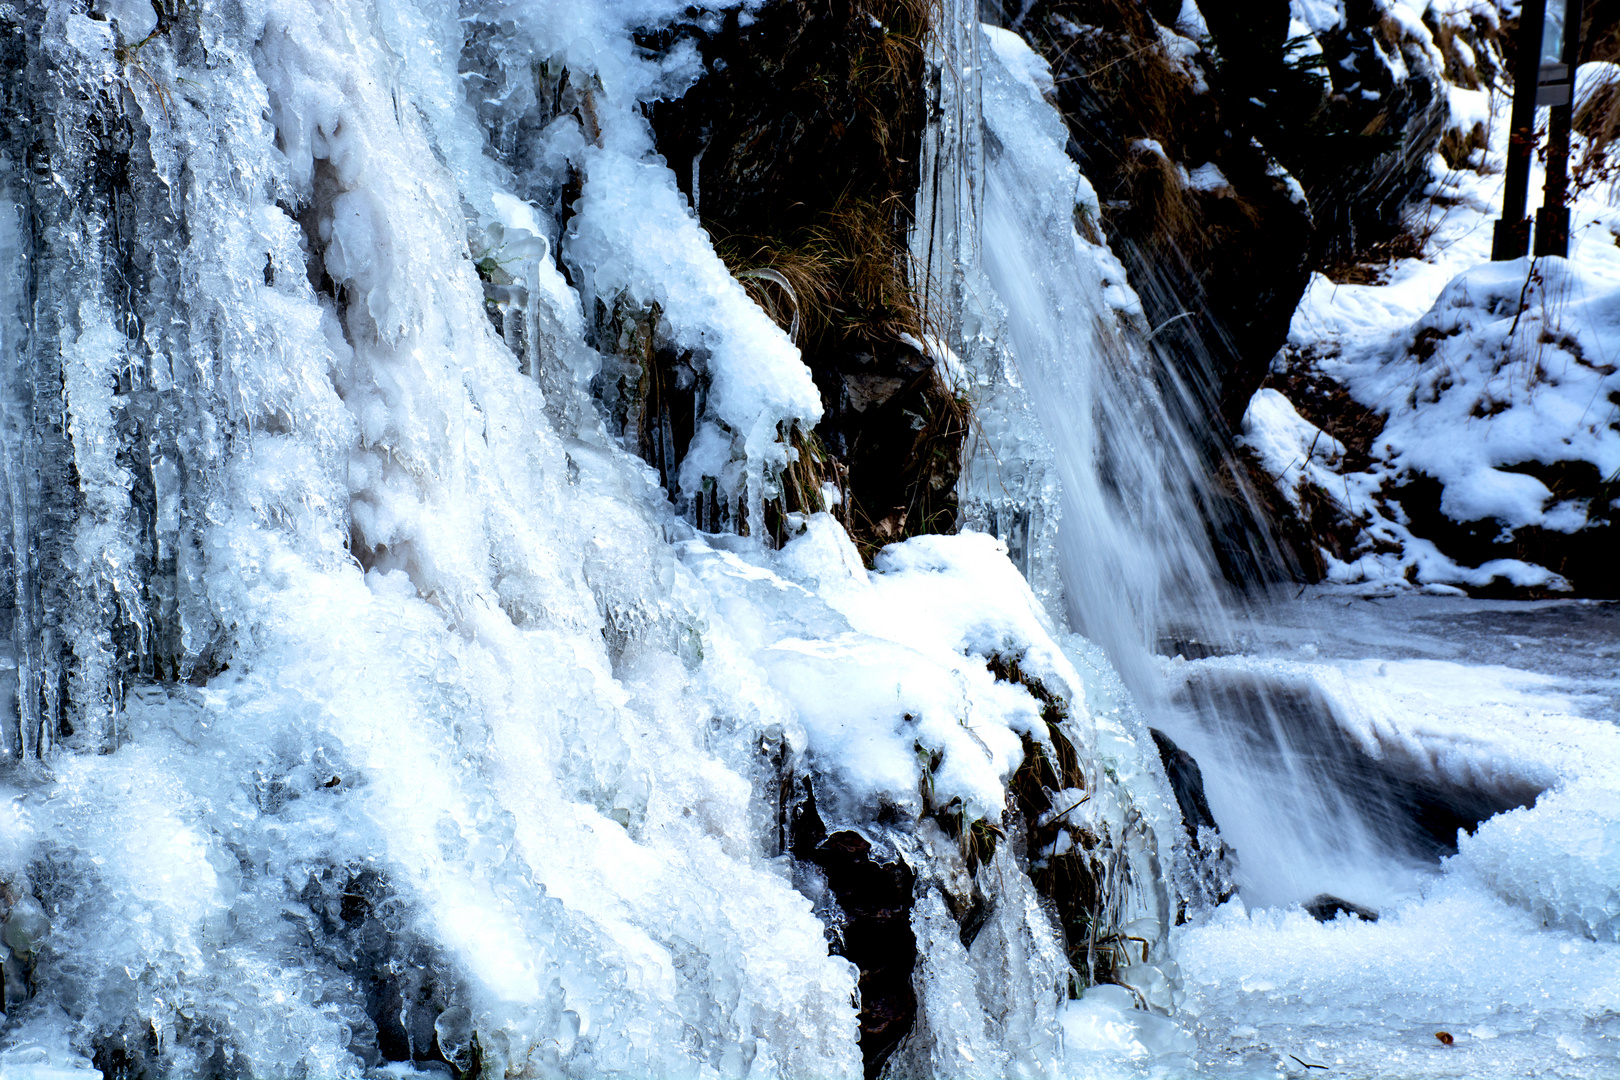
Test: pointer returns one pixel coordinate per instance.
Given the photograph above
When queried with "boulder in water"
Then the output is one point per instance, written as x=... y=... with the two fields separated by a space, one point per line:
x=1187 y=781
x=1214 y=861
x=1325 y=907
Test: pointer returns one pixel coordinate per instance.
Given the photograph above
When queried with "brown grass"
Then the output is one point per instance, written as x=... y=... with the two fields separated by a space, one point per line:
x=1371 y=265
x=803 y=484
x=848 y=271
x=941 y=422
x=1597 y=122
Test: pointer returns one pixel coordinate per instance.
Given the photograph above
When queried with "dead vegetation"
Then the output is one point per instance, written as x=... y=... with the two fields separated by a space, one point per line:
x=1372 y=265
x=804 y=140
x=1084 y=875
x=843 y=273
x=1597 y=124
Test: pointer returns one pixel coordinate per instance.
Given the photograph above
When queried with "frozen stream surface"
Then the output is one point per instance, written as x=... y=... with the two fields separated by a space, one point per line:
x=1484 y=945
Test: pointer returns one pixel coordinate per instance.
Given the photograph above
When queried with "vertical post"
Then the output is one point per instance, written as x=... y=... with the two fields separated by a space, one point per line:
x=1511 y=239
x=1552 y=220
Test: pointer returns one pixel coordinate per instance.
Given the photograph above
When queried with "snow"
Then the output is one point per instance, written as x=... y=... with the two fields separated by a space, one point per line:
x=1317 y=16
x=643 y=243
x=1592 y=77
x=1494 y=366
x=1287 y=445
x=1518 y=375
x=896 y=661
x=1208 y=177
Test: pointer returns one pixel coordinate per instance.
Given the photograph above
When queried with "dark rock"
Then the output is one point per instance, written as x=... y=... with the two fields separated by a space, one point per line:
x=128 y=1054
x=1213 y=862
x=803 y=139
x=873 y=931
x=1585 y=557
x=404 y=979
x=1187 y=781
x=1367 y=150
x=1325 y=907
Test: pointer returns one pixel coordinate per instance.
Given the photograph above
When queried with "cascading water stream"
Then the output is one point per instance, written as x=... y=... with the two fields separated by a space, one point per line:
x=1321 y=811
x=1132 y=543
x=1132 y=549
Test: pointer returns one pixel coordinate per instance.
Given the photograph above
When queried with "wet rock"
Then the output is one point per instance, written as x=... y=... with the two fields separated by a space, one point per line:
x=130 y=1053
x=1214 y=861
x=355 y=922
x=1325 y=907
x=1187 y=781
x=1368 y=149
x=871 y=927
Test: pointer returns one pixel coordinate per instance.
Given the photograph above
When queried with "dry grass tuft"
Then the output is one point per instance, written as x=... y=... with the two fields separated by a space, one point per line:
x=941 y=420
x=847 y=274
x=1597 y=122
x=804 y=483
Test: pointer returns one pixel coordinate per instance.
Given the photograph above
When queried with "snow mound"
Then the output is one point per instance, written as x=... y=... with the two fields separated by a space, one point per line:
x=1501 y=431
x=886 y=670
x=1514 y=365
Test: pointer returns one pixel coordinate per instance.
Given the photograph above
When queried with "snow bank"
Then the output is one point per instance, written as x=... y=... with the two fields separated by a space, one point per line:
x=886 y=670
x=1495 y=381
x=1513 y=365
x=1510 y=371
x=1289 y=446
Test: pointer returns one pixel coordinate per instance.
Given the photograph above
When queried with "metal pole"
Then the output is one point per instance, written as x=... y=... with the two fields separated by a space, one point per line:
x=1552 y=220
x=1511 y=239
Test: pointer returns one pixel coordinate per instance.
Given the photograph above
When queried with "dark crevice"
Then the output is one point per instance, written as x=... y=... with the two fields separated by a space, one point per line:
x=873 y=924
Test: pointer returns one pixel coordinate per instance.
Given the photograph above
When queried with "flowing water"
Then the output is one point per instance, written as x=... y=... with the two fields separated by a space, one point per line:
x=1344 y=742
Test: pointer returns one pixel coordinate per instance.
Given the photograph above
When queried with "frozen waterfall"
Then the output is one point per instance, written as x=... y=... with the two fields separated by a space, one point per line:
x=383 y=708
x=373 y=703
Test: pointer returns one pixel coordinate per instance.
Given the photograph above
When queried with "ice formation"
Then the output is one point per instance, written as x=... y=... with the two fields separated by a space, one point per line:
x=409 y=718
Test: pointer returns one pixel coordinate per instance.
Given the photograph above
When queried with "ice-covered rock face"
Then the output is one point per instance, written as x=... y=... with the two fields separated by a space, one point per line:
x=374 y=704
x=319 y=503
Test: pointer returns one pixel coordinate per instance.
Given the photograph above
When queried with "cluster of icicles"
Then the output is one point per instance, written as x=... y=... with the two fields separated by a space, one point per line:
x=376 y=704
